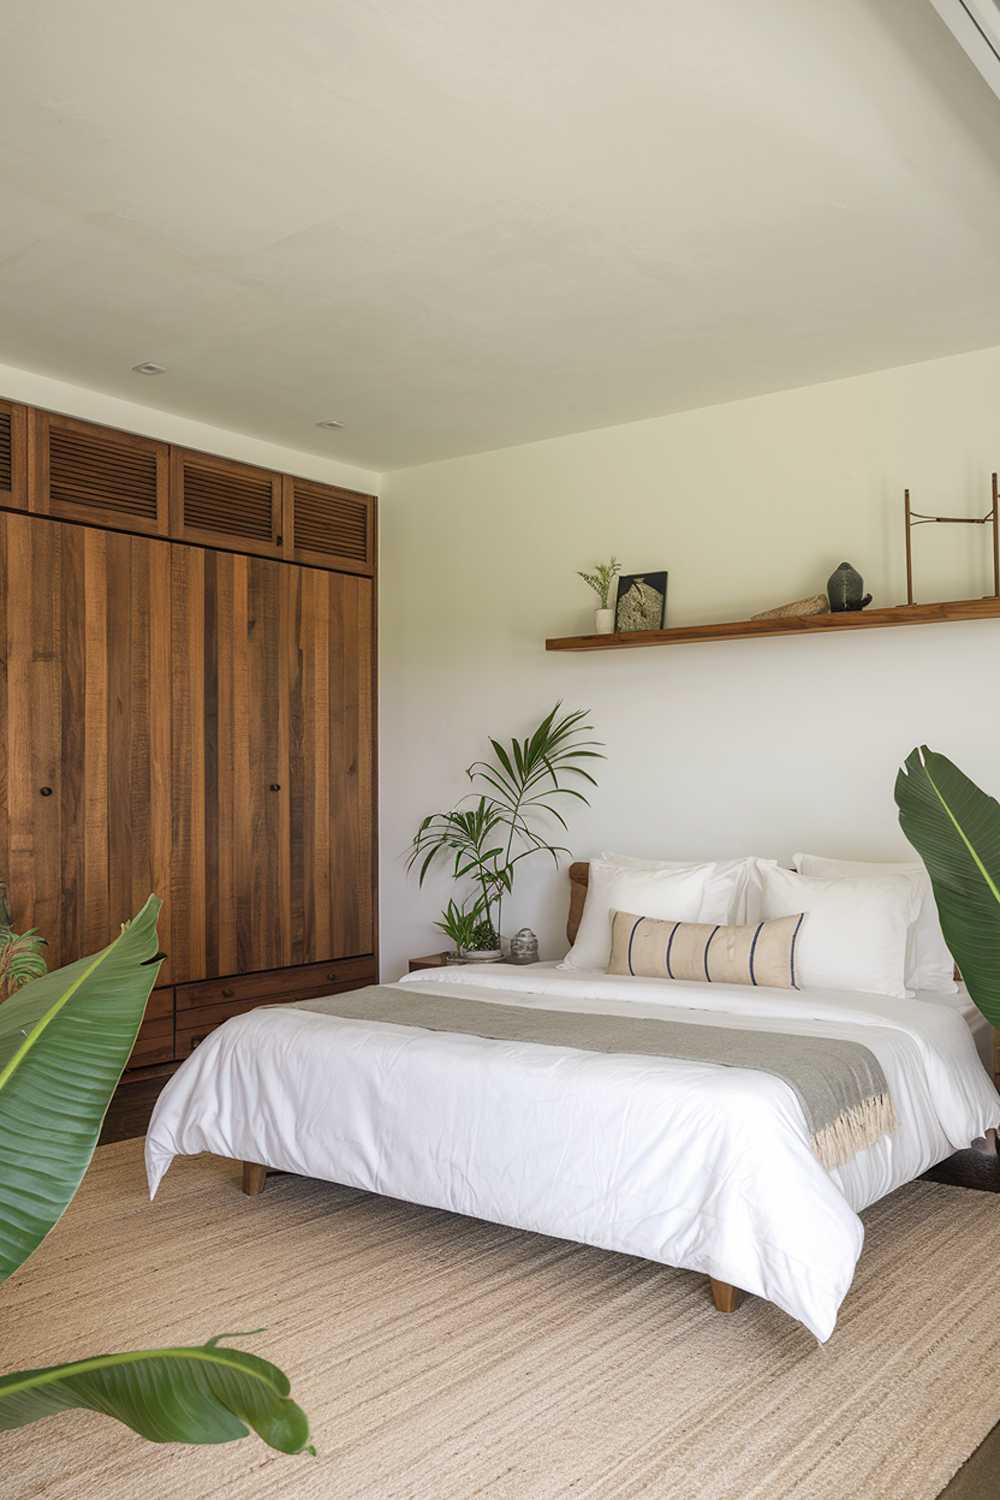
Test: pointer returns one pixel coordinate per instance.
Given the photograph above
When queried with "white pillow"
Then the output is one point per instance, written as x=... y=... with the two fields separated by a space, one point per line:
x=735 y=880
x=854 y=930
x=710 y=892
x=929 y=964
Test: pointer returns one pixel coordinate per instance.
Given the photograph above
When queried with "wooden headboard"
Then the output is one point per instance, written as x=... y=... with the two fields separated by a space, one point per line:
x=579 y=874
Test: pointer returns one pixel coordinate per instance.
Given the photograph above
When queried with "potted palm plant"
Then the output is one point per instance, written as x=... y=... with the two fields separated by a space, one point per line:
x=518 y=794
x=467 y=931
x=601 y=580
x=21 y=955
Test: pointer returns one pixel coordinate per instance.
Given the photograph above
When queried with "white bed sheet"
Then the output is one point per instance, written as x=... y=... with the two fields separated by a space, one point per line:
x=982 y=1031
x=689 y=1164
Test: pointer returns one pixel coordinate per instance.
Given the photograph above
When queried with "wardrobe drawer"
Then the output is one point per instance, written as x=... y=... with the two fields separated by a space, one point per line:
x=210 y=1016
x=161 y=1004
x=271 y=986
x=196 y=1023
x=155 y=1042
x=187 y=1041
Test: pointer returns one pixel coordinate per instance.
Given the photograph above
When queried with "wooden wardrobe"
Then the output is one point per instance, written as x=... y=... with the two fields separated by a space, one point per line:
x=187 y=689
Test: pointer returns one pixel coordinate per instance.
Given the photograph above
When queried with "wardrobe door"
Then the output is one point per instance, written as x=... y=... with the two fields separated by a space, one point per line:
x=84 y=676
x=185 y=764
x=127 y=714
x=330 y=655
x=32 y=787
x=245 y=753
x=272 y=765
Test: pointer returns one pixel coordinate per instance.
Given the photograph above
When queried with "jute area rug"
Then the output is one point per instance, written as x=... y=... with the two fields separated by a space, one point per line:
x=439 y=1357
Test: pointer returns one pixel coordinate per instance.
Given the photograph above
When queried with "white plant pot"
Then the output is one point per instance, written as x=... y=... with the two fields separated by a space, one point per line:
x=604 y=622
x=480 y=955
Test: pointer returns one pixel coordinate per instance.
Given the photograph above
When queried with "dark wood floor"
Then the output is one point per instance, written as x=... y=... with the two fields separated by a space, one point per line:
x=979 y=1477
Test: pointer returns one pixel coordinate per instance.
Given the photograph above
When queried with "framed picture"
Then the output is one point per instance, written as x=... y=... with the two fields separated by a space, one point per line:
x=642 y=601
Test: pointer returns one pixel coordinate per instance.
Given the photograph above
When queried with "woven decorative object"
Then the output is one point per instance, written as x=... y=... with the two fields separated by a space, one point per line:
x=817 y=604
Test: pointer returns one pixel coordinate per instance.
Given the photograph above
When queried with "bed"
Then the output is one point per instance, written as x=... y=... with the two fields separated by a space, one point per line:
x=686 y=1163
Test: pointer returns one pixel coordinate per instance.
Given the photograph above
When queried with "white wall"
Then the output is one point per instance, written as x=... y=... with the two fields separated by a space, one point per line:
x=131 y=416
x=713 y=749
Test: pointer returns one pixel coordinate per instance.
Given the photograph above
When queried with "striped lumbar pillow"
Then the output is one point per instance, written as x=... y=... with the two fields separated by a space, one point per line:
x=761 y=953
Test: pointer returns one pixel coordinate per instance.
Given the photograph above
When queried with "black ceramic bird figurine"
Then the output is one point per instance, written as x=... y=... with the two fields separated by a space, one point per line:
x=844 y=588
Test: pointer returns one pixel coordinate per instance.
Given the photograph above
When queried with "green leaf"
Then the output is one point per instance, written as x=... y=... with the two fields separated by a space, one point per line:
x=554 y=813
x=21 y=958
x=955 y=828
x=204 y=1394
x=64 y=1041
x=579 y=771
x=520 y=782
x=506 y=796
x=502 y=757
x=541 y=737
x=550 y=768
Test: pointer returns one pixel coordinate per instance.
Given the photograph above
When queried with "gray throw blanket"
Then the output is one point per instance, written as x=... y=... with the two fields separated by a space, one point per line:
x=840 y=1085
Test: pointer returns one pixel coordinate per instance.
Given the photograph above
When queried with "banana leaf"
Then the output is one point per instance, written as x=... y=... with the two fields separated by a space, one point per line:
x=64 y=1040
x=955 y=828
x=206 y=1394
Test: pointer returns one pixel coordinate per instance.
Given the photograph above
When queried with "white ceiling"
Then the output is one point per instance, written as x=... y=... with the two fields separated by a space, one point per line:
x=460 y=224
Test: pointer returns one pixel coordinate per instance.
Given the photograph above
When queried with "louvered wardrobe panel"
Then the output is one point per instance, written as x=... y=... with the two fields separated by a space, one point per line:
x=82 y=472
x=329 y=527
x=13 y=455
x=85 y=831
x=222 y=503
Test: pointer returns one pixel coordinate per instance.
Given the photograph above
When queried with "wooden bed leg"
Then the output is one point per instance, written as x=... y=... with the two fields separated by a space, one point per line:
x=254 y=1177
x=726 y=1298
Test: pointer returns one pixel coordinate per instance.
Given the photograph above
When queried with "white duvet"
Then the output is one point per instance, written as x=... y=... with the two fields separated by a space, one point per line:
x=690 y=1164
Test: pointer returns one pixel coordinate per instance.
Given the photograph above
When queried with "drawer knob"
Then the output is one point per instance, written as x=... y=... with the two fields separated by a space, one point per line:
x=45 y=791
x=228 y=994
x=275 y=786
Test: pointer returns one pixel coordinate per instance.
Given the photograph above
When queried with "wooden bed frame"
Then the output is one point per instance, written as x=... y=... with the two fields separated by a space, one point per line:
x=726 y=1298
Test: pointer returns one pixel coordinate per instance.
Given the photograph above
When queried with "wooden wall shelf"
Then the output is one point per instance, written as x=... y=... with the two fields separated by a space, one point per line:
x=735 y=630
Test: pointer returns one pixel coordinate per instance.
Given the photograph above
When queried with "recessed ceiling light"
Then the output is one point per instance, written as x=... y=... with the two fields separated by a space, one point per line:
x=148 y=368
x=329 y=423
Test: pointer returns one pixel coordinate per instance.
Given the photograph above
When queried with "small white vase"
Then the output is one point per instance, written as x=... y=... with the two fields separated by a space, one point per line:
x=604 y=622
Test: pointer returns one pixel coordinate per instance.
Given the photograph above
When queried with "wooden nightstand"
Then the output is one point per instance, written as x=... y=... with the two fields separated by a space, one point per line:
x=437 y=961
x=429 y=961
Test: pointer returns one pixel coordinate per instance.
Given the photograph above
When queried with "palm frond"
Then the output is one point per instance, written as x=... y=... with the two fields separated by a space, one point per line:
x=21 y=959
x=517 y=789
